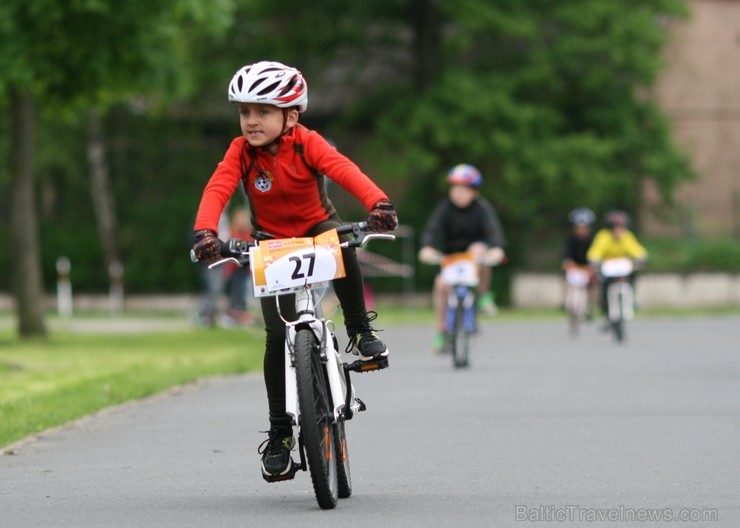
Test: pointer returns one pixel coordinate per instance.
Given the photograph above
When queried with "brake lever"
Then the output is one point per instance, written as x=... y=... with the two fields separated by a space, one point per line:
x=224 y=261
x=367 y=237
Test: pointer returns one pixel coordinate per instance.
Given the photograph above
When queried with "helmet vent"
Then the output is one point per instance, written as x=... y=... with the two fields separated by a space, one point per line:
x=288 y=87
x=256 y=84
x=271 y=88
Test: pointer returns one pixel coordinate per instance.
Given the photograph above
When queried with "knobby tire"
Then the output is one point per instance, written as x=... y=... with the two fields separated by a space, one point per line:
x=317 y=427
x=344 y=477
x=460 y=337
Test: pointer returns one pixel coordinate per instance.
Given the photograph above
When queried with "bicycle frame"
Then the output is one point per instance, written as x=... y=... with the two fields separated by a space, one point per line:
x=461 y=297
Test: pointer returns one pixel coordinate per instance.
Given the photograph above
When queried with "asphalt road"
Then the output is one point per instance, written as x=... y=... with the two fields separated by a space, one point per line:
x=542 y=430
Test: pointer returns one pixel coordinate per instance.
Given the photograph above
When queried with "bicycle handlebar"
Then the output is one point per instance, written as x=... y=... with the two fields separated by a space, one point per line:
x=237 y=251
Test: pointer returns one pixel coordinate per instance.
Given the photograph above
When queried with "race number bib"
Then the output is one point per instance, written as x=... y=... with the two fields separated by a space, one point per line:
x=460 y=268
x=286 y=265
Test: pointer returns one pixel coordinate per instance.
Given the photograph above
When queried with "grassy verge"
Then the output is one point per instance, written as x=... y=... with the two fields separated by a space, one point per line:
x=45 y=383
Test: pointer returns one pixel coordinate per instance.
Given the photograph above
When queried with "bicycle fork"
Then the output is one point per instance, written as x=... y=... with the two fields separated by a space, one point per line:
x=344 y=401
x=465 y=295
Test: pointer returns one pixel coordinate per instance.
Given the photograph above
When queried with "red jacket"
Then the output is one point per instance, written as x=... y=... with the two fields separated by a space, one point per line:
x=286 y=197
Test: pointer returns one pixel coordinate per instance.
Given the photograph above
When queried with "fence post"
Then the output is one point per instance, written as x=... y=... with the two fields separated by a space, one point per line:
x=64 y=287
x=115 y=296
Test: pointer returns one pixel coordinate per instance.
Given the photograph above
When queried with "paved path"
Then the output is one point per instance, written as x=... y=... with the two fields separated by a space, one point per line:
x=541 y=428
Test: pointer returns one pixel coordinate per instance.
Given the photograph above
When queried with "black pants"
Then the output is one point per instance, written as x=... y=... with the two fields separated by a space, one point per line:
x=350 y=293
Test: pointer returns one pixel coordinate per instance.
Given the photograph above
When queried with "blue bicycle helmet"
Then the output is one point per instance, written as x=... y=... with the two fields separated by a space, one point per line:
x=465 y=174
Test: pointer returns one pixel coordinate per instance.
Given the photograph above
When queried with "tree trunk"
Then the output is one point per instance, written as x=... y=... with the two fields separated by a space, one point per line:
x=103 y=204
x=24 y=240
x=426 y=26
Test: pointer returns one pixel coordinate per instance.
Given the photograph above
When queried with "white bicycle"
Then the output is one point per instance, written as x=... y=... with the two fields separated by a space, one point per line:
x=576 y=296
x=319 y=394
x=620 y=295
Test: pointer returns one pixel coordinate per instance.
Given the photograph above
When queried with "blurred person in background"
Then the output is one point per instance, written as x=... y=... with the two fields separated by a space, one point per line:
x=213 y=283
x=463 y=221
x=238 y=278
x=575 y=249
x=615 y=240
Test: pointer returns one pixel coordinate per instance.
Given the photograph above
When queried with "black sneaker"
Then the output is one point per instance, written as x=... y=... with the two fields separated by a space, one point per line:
x=364 y=342
x=275 y=451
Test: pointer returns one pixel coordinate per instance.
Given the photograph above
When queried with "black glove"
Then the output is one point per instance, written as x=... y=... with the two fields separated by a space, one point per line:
x=382 y=217
x=207 y=246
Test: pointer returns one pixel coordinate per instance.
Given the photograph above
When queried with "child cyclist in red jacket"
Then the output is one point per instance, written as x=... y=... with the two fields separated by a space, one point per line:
x=280 y=164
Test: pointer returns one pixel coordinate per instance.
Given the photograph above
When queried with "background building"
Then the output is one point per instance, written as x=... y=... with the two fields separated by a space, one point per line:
x=700 y=91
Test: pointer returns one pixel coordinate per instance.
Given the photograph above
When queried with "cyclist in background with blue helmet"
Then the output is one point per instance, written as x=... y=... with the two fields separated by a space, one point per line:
x=463 y=221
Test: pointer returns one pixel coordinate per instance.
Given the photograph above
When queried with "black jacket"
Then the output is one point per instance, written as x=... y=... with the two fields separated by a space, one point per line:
x=575 y=248
x=452 y=229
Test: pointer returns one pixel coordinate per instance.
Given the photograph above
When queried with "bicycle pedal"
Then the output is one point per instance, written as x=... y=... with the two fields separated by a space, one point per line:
x=368 y=366
x=290 y=475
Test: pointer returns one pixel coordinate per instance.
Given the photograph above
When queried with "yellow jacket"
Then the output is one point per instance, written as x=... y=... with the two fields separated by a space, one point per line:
x=605 y=246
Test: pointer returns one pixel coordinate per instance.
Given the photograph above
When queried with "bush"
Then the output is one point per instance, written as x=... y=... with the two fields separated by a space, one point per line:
x=681 y=255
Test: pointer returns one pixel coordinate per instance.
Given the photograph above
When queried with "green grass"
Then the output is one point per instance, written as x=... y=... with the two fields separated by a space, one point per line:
x=45 y=383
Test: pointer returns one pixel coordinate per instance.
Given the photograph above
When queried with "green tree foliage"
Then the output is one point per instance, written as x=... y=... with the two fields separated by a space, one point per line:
x=82 y=52
x=65 y=57
x=550 y=99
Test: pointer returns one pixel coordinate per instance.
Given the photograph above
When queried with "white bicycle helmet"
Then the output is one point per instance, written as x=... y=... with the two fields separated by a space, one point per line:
x=582 y=216
x=269 y=83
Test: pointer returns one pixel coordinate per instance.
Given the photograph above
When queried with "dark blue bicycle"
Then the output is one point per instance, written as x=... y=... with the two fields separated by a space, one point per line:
x=460 y=272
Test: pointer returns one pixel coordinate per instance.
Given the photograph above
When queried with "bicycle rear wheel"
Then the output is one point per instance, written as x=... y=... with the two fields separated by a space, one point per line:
x=317 y=424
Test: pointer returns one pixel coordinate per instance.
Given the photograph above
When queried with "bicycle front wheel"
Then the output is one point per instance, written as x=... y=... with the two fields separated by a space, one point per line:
x=343 y=474
x=460 y=337
x=616 y=311
x=317 y=424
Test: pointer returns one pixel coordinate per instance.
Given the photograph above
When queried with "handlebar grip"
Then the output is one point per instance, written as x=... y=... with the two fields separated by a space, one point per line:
x=236 y=248
x=193 y=258
x=357 y=228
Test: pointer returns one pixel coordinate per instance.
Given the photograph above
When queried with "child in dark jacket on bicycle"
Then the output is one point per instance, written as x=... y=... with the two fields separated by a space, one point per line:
x=462 y=222
x=281 y=165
